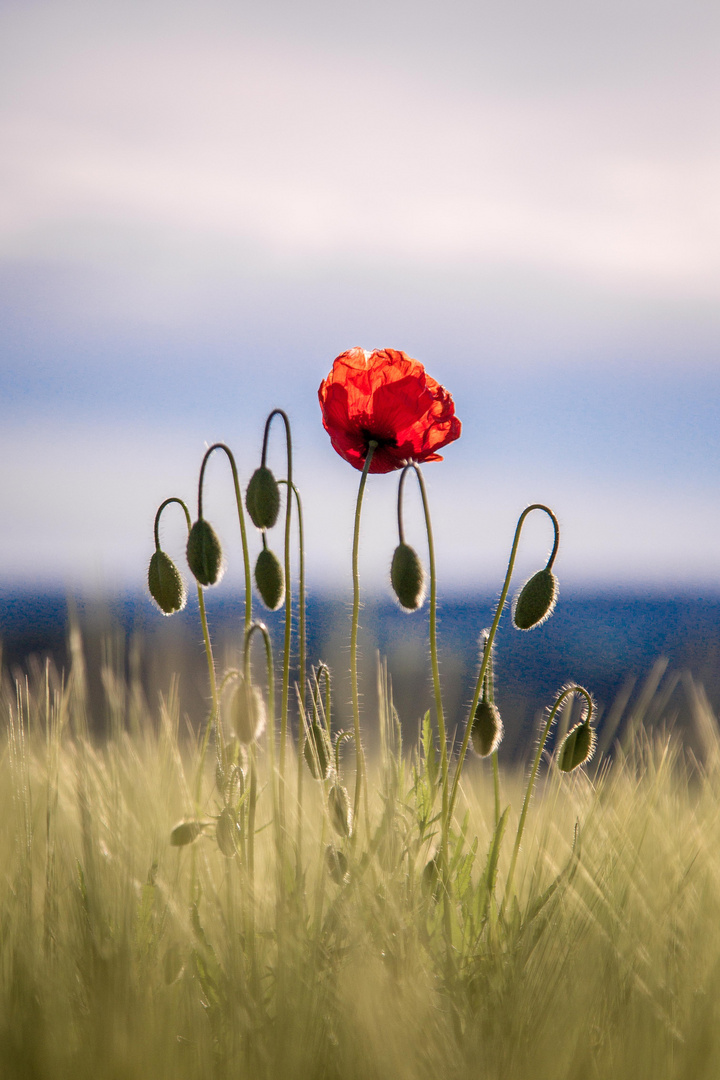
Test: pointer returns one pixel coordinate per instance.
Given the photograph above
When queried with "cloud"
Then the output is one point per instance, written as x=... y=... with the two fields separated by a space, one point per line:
x=134 y=143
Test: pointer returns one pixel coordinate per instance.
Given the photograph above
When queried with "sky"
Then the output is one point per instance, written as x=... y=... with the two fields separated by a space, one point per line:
x=202 y=204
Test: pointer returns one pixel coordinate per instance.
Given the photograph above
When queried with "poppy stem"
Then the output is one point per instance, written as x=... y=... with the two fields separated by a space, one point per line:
x=241 y=519
x=491 y=637
x=359 y=752
x=564 y=694
x=433 y=632
x=442 y=734
x=288 y=601
x=206 y=638
x=301 y=676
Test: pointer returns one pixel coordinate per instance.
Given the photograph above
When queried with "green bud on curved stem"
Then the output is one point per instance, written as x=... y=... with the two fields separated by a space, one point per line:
x=165 y=583
x=566 y=692
x=536 y=600
x=262 y=498
x=204 y=553
x=492 y=632
x=269 y=578
x=578 y=747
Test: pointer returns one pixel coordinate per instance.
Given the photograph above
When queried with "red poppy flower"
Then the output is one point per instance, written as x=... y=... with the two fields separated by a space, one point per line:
x=386 y=396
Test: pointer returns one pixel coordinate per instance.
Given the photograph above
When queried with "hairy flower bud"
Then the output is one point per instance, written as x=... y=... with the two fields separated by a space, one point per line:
x=536 y=601
x=487 y=729
x=204 y=553
x=337 y=864
x=407 y=577
x=339 y=809
x=262 y=498
x=270 y=579
x=577 y=748
x=185 y=832
x=431 y=877
x=166 y=586
x=227 y=832
x=247 y=711
x=317 y=752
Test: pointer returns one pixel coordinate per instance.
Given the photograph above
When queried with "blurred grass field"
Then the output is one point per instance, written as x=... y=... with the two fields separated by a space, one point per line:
x=125 y=956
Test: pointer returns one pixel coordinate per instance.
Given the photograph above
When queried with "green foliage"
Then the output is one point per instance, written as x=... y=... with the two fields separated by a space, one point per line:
x=131 y=948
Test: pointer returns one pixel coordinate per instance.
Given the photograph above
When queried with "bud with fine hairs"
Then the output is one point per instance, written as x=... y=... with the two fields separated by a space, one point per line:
x=204 y=553
x=536 y=600
x=165 y=583
x=247 y=711
x=487 y=729
x=262 y=498
x=407 y=577
x=227 y=832
x=578 y=747
x=270 y=579
x=339 y=810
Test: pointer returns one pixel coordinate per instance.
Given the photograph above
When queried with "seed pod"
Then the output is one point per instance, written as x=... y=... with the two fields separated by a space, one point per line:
x=185 y=832
x=431 y=877
x=536 y=600
x=407 y=577
x=262 y=498
x=577 y=748
x=227 y=833
x=204 y=553
x=337 y=864
x=339 y=809
x=487 y=729
x=247 y=711
x=270 y=579
x=166 y=586
x=317 y=752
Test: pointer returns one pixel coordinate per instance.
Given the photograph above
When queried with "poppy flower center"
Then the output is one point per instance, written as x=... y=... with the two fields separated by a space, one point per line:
x=382 y=440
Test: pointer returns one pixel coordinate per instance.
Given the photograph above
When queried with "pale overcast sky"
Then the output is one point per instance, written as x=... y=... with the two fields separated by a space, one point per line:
x=201 y=204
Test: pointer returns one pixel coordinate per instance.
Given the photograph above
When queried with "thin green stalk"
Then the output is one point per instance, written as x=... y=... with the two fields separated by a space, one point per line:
x=562 y=696
x=206 y=640
x=442 y=734
x=252 y=805
x=359 y=753
x=288 y=602
x=491 y=637
x=301 y=677
x=241 y=519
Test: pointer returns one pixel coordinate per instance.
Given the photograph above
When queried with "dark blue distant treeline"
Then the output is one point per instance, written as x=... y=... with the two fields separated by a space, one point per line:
x=597 y=639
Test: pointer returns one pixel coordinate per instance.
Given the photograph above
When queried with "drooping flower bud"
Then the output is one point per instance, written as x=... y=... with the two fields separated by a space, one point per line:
x=247 y=711
x=270 y=579
x=317 y=752
x=337 y=864
x=407 y=577
x=431 y=877
x=166 y=586
x=536 y=600
x=578 y=747
x=339 y=809
x=204 y=553
x=227 y=832
x=262 y=498
x=487 y=729
x=185 y=832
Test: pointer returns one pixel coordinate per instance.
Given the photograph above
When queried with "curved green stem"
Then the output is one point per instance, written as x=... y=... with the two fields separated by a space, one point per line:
x=343 y=736
x=241 y=519
x=288 y=599
x=491 y=635
x=442 y=735
x=359 y=753
x=206 y=638
x=567 y=692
